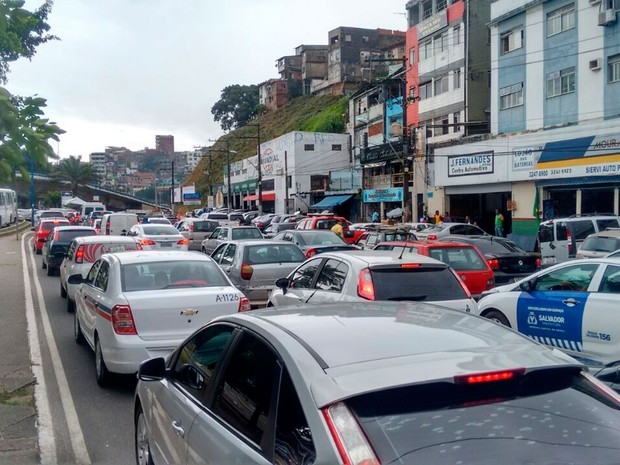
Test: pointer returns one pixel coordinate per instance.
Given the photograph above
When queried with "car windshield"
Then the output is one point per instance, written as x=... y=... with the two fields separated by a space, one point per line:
x=555 y=416
x=498 y=247
x=601 y=244
x=68 y=236
x=159 y=230
x=246 y=233
x=205 y=226
x=321 y=238
x=171 y=274
x=459 y=258
x=272 y=253
x=418 y=284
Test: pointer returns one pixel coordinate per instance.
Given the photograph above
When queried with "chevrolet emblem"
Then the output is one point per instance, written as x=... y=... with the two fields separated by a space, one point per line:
x=189 y=312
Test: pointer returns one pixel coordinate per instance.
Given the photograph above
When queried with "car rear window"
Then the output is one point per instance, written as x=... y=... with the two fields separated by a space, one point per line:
x=171 y=274
x=556 y=416
x=235 y=216
x=68 y=236
x=205 y=226
x=497 y=247
x=581 y=229
x=325 y=224
x=276 y=253
x=604 y=224
x=218 y=216
x=601 y=244
x=321 y=238
x=49 y=225
x=459 y=258
x=246 y=233
x=159 y=230
x=425 y=283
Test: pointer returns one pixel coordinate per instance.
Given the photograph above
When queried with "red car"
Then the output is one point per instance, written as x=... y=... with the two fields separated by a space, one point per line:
x=43 y=230
x=326 y=222
x=465 y=259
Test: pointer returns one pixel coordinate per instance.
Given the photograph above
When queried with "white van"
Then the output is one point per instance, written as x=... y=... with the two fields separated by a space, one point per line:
x=89 y=207
x=560 y=238
x=117 y=224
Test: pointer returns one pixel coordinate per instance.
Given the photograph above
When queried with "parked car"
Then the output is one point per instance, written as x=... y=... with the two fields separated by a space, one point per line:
x=365 y=275
x=375 y=234
x=117 y=224
x=327 y=222
x=135 y=305
x=465 y=259
x=312 y=241
x=55 y=247
x=153 y=236
x=275 y=228
x=82 y=253
x=229 y=233
x=449 y=229
x=47 y=215
x=249 y=216
x=93 y=216
x=508 y=261
x=215 y=216
x=196 y=230
x=572 y=306
x=263 y=221
x=158 y=220
x=253 y=266
x=374 y=383
x=43 y=230
x=560 y=238
x=600 y=244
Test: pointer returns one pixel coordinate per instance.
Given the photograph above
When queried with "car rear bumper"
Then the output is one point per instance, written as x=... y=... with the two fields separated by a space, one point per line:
x=126 y=355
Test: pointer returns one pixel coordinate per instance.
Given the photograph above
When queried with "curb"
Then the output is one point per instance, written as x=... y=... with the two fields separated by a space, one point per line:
x=23 y=226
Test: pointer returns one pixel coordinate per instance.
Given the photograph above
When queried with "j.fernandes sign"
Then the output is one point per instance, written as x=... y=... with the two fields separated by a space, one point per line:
x=472 y=164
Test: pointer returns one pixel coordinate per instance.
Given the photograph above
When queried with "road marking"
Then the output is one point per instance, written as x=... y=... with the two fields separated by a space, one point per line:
x=73 y=423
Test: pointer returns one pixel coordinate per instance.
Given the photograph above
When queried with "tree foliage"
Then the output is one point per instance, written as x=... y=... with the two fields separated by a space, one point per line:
x=236 y=107
x=72 y=169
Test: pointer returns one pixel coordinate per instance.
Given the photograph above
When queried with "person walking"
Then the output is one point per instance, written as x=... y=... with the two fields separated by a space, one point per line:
x=447 y=218
x=438 y=217
x=468 y=219
x=374 y=217
x=499 y=223
x=338 y=229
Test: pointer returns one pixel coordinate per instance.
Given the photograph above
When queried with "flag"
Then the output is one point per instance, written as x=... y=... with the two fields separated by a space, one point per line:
x=536 y=210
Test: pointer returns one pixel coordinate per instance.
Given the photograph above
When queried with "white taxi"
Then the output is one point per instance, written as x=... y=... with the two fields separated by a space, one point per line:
x=133 y=306
x=572 y=306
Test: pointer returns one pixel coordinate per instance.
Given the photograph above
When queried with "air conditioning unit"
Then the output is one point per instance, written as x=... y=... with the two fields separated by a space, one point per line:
x=606 y=17
x=594 y=65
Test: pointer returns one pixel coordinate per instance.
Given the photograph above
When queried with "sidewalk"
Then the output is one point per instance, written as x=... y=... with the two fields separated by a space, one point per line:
x=18 y=420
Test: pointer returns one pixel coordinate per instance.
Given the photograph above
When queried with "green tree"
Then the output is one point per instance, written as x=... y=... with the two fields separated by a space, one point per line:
x=237 y=106
x=52 y=199
x=74 y=171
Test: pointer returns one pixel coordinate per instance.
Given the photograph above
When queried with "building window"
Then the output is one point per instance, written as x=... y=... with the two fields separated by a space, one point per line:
x=456 y=35
x=560 y=20
x=457 y=78
x=561 y=82
x=365 y=39
x=426 y=50
x=613 y=68
x=512 y=40
x=426 y=90
x=441 y=43
x=442 y=125
x=309 y=147
x=427 y=9
x=412 y=56
x=441 y=5
x=511 y=96
x=347 y=38
x=442 y=84
x=456 y=119
x=337 y=147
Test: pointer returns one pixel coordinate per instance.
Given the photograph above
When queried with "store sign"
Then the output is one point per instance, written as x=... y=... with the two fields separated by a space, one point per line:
x=433 y=24
x=392 y=194
x=469 y=165
x=246 y=186
x=525 y=158
x=383 y=152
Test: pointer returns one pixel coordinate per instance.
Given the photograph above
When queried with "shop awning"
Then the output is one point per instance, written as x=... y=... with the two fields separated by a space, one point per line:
x=331 y=201
x=267 y=197
x=580 y=181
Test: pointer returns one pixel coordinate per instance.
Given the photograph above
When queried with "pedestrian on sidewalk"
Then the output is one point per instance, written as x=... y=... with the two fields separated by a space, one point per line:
x=499 y=223
x=338 y=229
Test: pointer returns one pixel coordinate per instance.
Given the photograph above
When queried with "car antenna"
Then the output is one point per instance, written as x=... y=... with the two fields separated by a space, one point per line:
x=400 y=257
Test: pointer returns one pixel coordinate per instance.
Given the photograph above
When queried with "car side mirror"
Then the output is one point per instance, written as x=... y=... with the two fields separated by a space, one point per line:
x=283 y=284
x=76 y=279
x=528 y=286
x=152 y=370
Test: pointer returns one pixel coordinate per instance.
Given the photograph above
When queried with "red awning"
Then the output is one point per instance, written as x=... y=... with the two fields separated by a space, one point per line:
x=267 y=197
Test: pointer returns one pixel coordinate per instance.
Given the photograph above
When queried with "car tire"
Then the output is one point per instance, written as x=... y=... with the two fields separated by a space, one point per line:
x=101 y=371
x=63 y=292
x=51 y=271
x=43 y=265
x=37 y=251
x=497 y=317
x=141 y=440
x=70 y=305
x=78 y=335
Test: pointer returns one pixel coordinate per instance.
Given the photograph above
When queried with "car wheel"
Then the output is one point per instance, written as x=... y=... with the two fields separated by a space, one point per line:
x=101 y=371
x=37 y=251
x=43 y=265
x=78 y=335
x=497 y=317
x=143 y=450
x=63 y=292
x=51 y=271
x=70 y=305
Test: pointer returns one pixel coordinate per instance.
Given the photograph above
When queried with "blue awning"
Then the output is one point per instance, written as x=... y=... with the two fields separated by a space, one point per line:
x=580 y=181
x=330 y=202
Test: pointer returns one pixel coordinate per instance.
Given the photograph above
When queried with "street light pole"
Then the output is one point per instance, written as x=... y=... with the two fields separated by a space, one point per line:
x=32 y=199
x=258 y=168
x=228 y=192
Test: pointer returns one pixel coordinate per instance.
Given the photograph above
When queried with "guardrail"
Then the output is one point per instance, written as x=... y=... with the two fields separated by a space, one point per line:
x=22 y=227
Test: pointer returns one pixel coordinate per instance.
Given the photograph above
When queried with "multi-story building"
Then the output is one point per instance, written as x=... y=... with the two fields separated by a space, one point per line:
x=98 y=160
x=164 y=144
x=273 y=93
x=313 y=65
x=555 y=144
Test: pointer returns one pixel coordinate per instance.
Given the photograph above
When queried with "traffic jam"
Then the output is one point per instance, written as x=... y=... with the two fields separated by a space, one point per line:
x=307 y=339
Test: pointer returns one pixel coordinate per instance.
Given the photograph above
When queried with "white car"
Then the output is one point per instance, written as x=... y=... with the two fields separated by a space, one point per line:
x=133 y=306
x=573 y=306
x=159 y=237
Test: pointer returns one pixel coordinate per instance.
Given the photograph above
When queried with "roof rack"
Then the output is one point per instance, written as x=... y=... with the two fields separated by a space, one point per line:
x=585 y=215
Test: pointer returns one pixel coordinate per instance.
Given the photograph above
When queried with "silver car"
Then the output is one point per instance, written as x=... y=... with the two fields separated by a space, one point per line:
x=373 y=383
x=229 y=233
x=158 y=237
x=367 y=275
x=196 y=230
x=449 y=229
x=600 y=244
x=254 y=266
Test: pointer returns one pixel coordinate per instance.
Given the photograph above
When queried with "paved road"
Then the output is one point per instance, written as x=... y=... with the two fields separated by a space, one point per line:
x=88 y=424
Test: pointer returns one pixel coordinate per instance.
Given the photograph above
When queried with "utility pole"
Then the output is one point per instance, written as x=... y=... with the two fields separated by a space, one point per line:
x=258 y=168
x=228 y=186
x=286 y=181
x=32 y=196
x=405 y=144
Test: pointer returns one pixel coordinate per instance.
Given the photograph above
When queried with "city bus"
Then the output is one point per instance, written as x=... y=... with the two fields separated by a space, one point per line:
x=8 y=207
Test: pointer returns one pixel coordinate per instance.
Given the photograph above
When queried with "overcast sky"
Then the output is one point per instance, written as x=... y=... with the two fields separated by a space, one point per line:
x=126 y=70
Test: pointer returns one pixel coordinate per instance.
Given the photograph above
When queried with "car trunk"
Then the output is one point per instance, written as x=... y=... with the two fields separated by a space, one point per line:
x=517 y=263
x=176 y=313
x=166 y=242
x=330 y=248
x=263 y=279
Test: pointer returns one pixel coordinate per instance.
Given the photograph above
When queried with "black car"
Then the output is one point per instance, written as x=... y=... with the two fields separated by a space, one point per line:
x=312 y=241
x=508 y=261
x=276 y=228
x=57 y=244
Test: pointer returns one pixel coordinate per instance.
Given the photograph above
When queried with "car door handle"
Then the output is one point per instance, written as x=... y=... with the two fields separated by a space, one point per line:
x=570 y=302
x=180 y=432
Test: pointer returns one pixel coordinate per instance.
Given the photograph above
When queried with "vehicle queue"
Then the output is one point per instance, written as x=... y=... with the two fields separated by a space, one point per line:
x=152 y=293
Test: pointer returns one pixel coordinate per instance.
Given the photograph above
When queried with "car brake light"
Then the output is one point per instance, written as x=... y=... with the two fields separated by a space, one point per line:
x=147 y=242
x=191 y=227
x=493 y=263
x=107 y=228
x=56 y=234
x=244 y=305
x=79 y=254
x=410 y=265
x=463 y=286
x=489 y=377
x=431 y=237
x=122 y=320
x=183 y=241
x=246 y=271
x=569 y=238
x=310 y=252
x=349 y=438
x=538 y=262
x=490 y=283
x=365 y=286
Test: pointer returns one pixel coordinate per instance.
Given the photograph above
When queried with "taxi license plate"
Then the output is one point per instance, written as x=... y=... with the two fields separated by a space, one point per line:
x=548 y=260
x=166 y=245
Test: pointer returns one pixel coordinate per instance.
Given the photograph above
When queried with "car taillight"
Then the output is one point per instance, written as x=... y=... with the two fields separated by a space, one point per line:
x=138 y=246
x=122 y=320
x=244 y=305
x=310 y=252
x=489 y=377
x=191 y=227
x=349 y=438
x=107 y=228
x=490 y=283
x=246 y=271
x=365 y=286
x=147 y=242
x=538 y=262
x=493 y=263
x=56 y=235
x=462 y=283
x=431 y=237
x=79 y=254
x=259 y=225
x=569 y=238
x=183 y=241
